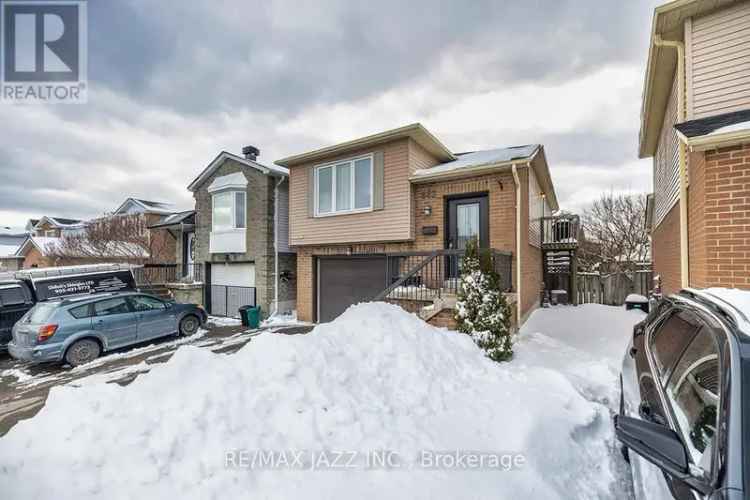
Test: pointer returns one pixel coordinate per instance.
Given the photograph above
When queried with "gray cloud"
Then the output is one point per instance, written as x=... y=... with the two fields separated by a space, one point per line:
x=173 y=82
x=201 y=57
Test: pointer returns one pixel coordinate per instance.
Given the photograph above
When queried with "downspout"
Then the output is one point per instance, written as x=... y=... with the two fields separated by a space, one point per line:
x=276 y=245
x=681 y=108
x=518 y=243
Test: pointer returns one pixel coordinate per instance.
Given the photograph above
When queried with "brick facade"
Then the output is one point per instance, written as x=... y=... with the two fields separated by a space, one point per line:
x=718 y=224
x=259 y=232
x=727 y=217
x=697 y=250
x=444 y=319
x=500 y=188
x=162 y=243
x=665 y=250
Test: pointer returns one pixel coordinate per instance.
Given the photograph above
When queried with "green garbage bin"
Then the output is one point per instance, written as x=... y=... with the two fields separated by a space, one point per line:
x=243 y=314
x=252 y=315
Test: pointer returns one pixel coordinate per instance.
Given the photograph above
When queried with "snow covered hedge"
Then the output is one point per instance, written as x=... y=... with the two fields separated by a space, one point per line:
x=481 y=309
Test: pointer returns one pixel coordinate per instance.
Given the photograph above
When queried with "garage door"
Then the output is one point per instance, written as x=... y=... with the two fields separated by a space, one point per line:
x=343 y=281
x=232 y=286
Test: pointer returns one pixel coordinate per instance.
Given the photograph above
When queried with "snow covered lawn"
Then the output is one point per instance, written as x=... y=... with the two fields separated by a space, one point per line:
x=388 y=402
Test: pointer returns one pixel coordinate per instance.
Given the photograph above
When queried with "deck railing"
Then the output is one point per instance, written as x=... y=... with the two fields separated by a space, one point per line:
x=560 y=231
x=155 y=274
x=426 y=276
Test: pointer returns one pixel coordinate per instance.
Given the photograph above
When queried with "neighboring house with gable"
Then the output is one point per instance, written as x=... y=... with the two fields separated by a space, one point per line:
x=241 y=234
x=55 y=227
x=387 y=216
x=162 y=245
x=47 y=251
x=695 y=124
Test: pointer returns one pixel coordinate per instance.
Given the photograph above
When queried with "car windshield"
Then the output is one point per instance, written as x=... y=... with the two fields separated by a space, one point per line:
x=40 y=313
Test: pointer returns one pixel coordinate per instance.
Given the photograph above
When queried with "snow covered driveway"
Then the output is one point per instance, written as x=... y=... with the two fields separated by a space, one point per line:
x=24 y=387
x=390 y=407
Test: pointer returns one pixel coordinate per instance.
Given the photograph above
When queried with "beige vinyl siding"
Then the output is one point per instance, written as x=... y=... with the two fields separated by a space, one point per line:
x=719 y=62
x=667 y=162
x=537 y=209
x=393 y=223
x=419 y=157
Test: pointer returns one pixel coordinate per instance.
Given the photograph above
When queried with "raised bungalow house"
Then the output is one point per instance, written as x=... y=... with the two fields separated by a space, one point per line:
x=695 y=124
x=386 y=217
x=241 y=233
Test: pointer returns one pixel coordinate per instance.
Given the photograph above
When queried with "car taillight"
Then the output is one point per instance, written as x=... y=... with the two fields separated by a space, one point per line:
x=45 y=332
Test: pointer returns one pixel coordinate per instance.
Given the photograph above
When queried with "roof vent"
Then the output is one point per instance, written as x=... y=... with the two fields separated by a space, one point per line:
x=251 y=152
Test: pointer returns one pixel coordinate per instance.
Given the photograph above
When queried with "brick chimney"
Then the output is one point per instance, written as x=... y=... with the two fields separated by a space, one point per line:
x=251 y=152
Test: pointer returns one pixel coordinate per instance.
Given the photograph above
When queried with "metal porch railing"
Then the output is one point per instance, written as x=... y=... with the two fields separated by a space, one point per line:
x=429 y=275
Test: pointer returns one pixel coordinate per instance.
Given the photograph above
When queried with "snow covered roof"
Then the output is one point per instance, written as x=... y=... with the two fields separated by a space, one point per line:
x=478 y=162
x=722 y=130
x=10 y=243
x=187 y=217
x=47 y=245
x=135 y=205
x=481 y=158
x=59 y=222
x=7 y=250
x=41 y=243
x=235 y=180
x=223 y=156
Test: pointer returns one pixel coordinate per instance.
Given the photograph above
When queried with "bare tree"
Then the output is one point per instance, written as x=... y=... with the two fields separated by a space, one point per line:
x=616 y=237
x=112 y=237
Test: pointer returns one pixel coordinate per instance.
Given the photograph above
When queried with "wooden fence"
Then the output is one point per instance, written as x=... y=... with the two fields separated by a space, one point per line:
x=612 y=289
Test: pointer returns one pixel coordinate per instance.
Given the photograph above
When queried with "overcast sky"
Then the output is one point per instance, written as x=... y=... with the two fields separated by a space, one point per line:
x=172 y=83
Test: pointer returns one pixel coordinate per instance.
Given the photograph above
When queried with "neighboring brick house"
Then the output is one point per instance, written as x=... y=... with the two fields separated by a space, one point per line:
x=399 y=196
x=241 y=234
x=695 y=124
x=55 y=227
x=44 y=251
x=162 y=244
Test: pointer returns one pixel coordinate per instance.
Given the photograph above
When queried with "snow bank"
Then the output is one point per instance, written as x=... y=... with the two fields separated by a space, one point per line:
x=634 y=297
x=375 y=379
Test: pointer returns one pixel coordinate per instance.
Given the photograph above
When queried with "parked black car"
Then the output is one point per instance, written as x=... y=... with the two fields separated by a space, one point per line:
x=20 y=290
x=684 y=418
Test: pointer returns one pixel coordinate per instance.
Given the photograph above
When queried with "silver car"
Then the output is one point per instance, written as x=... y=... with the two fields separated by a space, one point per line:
x=78 y=330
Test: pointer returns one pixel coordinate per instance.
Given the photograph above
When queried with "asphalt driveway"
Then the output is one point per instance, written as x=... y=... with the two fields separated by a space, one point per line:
x=24 y=388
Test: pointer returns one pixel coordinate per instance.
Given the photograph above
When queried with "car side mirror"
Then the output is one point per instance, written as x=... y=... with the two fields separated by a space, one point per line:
x=662 y=447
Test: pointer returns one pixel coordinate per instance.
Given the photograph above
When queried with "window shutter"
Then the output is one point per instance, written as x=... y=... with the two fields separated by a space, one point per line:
x=378 y=180
x=311 y=191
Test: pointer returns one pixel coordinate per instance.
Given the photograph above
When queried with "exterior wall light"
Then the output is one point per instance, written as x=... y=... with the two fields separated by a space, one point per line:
x=427 y=210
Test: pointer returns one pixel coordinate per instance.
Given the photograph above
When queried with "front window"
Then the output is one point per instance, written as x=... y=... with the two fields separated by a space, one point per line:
x=344 y=186
x=229 y=210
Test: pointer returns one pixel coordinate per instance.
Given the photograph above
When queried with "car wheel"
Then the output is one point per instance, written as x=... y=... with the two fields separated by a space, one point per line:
x=82 y=351
x=189 y=325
